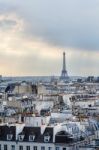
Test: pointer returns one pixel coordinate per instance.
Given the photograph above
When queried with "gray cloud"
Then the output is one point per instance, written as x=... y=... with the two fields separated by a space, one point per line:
x=65 y=23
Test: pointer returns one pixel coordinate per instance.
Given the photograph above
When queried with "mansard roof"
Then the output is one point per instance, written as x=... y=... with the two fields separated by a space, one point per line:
x=60 y=137
x=5 y=130
x=48 y=132
x=63 y=137
x=27 y=131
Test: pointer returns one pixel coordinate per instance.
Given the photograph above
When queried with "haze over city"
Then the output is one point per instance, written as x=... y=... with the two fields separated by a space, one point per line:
x=34 y=34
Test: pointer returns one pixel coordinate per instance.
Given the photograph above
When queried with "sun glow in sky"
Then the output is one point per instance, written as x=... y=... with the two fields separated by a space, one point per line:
x=34 y=34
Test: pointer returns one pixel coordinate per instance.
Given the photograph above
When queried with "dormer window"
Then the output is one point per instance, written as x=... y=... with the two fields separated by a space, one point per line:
x=21 y=137
x=9 y=137
x=46 y=138
x=31 y=137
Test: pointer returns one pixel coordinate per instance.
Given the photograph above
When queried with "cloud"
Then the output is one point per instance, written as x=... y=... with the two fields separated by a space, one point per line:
x=18 y=54
x=33 y=35
x=67 y=24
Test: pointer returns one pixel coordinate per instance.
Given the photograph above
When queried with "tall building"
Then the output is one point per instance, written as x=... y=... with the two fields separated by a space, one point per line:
x=64 y=75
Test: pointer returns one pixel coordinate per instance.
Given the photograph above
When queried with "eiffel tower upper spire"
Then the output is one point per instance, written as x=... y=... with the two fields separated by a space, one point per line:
x=64 y=63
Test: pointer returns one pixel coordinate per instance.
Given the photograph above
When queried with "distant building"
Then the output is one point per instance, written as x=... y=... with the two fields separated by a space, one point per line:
x=0 y=78
x=97 y=80
x=90 y=79
x=23 y=88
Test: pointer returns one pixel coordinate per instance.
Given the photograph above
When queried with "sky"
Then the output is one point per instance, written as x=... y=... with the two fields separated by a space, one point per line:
x=35 y=33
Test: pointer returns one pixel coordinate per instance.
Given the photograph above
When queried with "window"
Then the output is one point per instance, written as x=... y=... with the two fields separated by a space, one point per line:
x=42 y=148
x=5 y=147
x=20 y=147
x=49 y=148
x=46 y=138
x=12 y=147
x=9 y=137
x=21 y=137
x=57 y=148
x=31 y=137
x=27 y=147
x=35 y=148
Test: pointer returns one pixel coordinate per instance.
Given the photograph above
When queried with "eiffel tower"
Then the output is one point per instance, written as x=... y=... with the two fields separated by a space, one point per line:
x=64 y=75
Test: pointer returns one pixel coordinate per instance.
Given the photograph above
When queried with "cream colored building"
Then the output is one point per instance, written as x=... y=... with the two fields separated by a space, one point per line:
x=23 y=88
